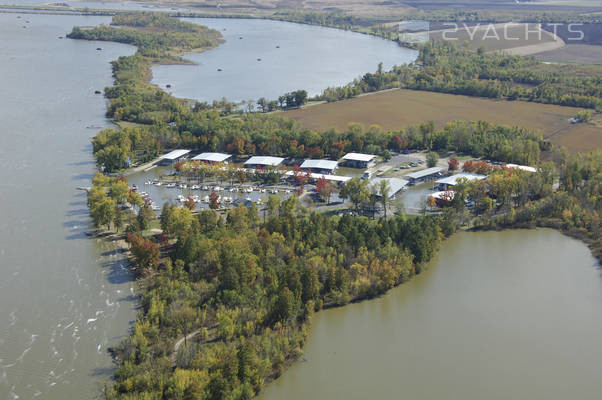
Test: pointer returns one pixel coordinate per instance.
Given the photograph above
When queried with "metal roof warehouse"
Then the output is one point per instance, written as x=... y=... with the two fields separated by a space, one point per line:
x=445 y=183
x=263 y=161
x=175 y=154
x=395 y=184
x=172 y=156
x=319 y=165
x=359 y=157
x=212 y=157
x=423 y=174
x=358 y=160
x=314 y=176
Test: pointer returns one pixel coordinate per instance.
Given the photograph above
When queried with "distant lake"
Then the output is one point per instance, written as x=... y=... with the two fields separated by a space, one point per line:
x=293 y=56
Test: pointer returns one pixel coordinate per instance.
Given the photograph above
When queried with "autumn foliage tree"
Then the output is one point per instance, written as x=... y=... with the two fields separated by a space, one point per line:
x=214 y=201
x=324 y=189
x=146 y=252
x=189 y=203
x=478 y=167
x=453 y=164
x=301 y=177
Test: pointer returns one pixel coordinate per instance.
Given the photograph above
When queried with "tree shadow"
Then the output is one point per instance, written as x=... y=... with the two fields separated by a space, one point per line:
x=118 y=272
x=83 y=176
x=81 y=163
x=77 y=212
x=78 y=203
x=103 y=371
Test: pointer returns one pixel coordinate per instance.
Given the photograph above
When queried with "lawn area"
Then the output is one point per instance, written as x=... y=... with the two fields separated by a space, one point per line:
x=399 y=108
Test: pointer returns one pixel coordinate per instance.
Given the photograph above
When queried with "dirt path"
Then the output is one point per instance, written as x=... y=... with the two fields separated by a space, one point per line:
x=181 y=341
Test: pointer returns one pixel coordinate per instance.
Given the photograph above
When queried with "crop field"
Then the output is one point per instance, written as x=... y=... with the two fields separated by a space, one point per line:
x=399 y=108
x=573 y=53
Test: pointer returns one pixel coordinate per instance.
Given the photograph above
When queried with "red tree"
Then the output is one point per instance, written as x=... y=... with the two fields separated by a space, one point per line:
x=146 y=253
x=453 y=164
x=214 y=201
x=300 y=177
x=468 y=166
x=324 y=189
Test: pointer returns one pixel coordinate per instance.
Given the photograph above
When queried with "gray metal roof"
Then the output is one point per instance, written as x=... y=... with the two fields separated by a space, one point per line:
x=359 y=157
x=334 y=178
x=424 y=172
x=395 y=184
x=213 y=157
x=173 y=155
x=319 y=164
x=264 y=160
x=453 y=180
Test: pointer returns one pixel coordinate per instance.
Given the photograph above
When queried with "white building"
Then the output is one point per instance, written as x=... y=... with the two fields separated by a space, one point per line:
x=358 y=160
x=263 y=162
x=212 y=157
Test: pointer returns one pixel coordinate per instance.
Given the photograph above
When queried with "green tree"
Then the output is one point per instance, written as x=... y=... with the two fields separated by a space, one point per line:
x=283 y=307
x=431 y=159
x=384 y=190
x=356 y=191
x=184 y=318
x=145 y=215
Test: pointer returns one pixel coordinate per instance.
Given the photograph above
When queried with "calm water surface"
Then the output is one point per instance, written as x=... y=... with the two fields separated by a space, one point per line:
x=498 y=315
x=63 y=297
x=308 y=57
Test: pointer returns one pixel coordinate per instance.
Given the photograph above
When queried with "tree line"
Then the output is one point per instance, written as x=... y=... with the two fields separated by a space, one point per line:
x=442 y=67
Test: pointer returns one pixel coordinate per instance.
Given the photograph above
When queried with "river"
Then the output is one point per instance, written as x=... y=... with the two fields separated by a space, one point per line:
x=63 y=296
x=497 y=315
